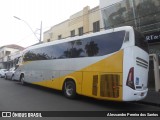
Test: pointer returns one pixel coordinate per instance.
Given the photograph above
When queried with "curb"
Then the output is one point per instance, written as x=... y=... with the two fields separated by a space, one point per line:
x=149 y=103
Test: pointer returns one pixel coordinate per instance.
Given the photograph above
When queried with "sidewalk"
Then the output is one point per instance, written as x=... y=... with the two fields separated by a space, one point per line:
x=153 y=98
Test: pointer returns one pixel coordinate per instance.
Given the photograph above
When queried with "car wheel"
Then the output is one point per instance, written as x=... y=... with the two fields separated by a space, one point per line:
x=22 y=80
x=69 y=89
x=6 y=77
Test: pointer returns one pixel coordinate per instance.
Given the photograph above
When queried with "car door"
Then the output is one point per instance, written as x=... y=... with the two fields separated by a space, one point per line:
x=9 y=73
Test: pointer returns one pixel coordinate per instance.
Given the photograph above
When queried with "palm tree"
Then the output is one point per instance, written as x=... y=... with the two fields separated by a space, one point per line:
x=91 y=48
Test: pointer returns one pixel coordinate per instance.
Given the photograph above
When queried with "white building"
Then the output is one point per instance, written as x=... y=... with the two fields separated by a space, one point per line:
x=83 y=22
x=9 y=55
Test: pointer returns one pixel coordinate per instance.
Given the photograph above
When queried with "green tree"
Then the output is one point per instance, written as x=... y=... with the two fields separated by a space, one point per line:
x=91 y=48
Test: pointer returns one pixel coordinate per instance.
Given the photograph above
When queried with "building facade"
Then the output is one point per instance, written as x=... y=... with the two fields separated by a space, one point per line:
x=9 y=55
x=82 y=22
x=143 y=15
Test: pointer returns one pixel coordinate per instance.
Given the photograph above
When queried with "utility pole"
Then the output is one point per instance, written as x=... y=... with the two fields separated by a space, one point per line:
x=40 y=35
x=40 y=39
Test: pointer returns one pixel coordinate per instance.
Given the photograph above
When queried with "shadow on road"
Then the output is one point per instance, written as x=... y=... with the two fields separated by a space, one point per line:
x=112 y=105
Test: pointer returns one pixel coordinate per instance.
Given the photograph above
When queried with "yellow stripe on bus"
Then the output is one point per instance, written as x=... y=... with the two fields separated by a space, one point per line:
x=106 y=70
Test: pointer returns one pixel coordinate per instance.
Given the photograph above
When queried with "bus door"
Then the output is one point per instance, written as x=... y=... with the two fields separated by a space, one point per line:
x=154 y=77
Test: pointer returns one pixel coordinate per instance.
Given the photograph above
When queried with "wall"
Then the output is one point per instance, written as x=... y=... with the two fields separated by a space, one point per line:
x=4 y=52
x=94 y=15
x=83 y=18
x=104 y=3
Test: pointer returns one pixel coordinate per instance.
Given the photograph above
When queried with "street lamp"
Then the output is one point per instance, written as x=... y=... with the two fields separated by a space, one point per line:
x=39 y=39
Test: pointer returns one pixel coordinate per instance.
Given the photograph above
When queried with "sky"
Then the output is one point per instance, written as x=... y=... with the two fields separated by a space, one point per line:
x=32 y=12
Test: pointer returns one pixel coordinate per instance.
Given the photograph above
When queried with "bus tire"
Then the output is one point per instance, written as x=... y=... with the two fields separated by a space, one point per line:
x=69 y=89
x=22 y=79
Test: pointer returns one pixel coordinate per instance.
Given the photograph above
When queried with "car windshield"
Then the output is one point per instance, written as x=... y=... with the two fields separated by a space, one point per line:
x=11 y=69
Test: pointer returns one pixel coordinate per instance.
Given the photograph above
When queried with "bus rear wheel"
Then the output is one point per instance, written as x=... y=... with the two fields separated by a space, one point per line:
x=69 y=89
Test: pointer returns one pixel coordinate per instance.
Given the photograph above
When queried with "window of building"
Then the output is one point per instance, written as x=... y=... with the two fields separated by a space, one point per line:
x=8 y=53
x=96 y=26
x=72 y=33
x=59 y=37
x=48 y=40
x=80 y=31
x=118 y=14
x=141 y=14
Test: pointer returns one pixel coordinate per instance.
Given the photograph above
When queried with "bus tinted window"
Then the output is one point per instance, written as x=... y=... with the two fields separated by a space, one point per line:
x=104 y=44
x=87 y=47
x=140 y=41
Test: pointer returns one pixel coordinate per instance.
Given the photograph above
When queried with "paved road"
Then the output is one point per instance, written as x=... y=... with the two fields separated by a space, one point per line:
x=15 y=97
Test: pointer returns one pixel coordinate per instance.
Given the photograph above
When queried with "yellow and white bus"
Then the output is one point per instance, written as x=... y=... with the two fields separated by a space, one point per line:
x=108 y=65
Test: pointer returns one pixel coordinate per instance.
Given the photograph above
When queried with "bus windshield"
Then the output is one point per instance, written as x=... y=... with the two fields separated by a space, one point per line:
x=140 y=41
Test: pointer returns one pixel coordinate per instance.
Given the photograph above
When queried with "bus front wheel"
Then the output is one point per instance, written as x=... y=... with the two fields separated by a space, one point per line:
x=69 y=89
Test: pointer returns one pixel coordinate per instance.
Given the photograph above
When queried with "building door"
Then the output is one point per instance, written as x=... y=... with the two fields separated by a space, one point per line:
x=153 y=77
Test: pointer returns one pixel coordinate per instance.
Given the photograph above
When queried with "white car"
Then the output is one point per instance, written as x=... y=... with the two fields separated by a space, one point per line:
x=10 y=73
x=2 y=72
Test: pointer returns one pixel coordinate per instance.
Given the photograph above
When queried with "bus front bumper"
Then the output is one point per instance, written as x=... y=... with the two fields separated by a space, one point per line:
x=135 y=95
